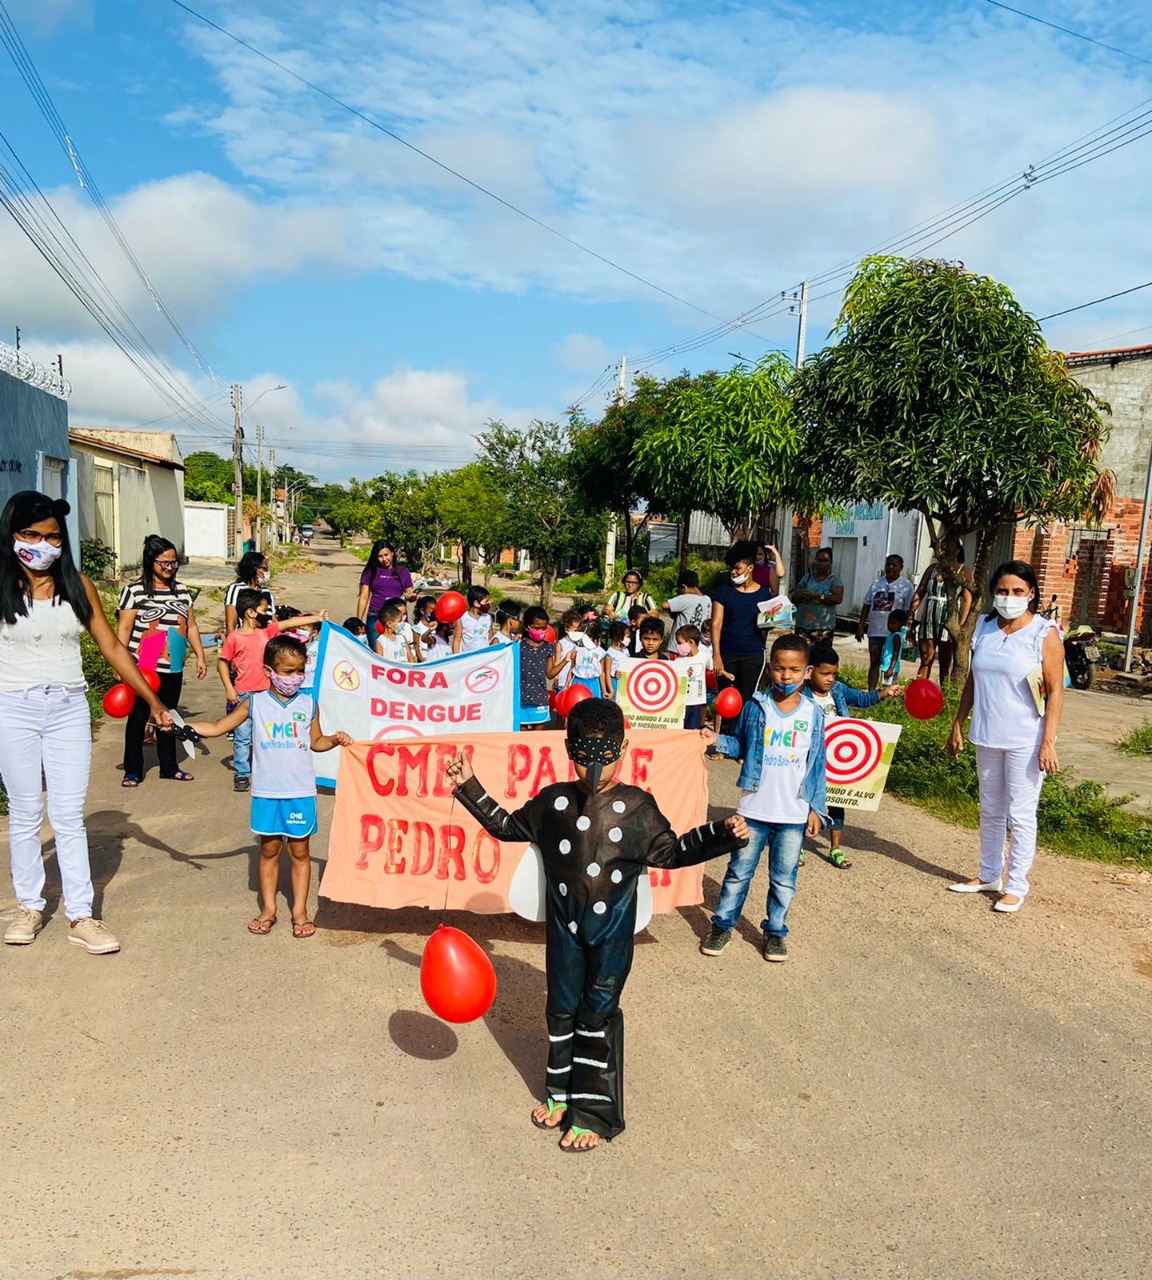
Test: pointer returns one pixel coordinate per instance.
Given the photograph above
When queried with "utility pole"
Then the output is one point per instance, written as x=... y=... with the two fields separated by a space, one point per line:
x=801 y=310
x=1141 y=562
x=256 y=532
x=272 y=492
x=238 y=466
x=610 y=541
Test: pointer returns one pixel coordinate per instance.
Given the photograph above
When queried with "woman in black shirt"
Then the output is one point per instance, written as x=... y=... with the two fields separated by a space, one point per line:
x=737 y=640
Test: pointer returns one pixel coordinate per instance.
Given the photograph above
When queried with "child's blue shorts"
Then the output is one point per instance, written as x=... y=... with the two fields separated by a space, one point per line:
x=535 y=715
x=295 y=819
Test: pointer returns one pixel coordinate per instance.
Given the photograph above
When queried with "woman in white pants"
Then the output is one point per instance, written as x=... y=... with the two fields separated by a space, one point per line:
x=1013 y=728
x=45 y=726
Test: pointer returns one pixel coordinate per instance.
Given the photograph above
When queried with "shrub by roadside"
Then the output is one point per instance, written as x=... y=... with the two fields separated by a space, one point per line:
x=1138 y=741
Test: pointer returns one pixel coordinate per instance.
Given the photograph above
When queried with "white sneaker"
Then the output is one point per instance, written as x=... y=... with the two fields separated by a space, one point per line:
x=993 y=886
x=24 y=928
x=94 y=936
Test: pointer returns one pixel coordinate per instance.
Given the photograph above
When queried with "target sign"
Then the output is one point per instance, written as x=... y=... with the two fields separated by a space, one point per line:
x=853 y=749
x=653 y=686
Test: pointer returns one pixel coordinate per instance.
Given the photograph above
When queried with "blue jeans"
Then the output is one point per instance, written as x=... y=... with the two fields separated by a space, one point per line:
x=785 y=841
x=242 y=743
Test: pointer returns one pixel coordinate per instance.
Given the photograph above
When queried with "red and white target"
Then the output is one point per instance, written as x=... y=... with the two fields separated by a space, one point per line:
x=854 y=749
x=653 y=686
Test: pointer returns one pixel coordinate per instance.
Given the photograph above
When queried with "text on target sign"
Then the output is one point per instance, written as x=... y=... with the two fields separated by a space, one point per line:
x=858 y=754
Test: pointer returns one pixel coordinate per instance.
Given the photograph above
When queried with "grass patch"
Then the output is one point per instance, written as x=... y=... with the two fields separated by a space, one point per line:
x=1138 y=742
x=579 y=584
x=1076 y=819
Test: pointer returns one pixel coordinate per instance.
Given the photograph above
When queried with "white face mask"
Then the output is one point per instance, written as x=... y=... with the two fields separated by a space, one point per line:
x=39 y=555
x=739 y=579
x=577 y=637
x=1010 y=606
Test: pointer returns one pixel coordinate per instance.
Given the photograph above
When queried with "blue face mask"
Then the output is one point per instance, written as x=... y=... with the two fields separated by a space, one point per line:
x=787 y=689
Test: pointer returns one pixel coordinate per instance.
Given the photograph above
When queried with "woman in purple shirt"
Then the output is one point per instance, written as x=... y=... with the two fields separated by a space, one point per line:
x=383 y=579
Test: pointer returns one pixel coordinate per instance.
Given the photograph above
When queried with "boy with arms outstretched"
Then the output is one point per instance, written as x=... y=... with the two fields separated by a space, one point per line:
x=596 y=837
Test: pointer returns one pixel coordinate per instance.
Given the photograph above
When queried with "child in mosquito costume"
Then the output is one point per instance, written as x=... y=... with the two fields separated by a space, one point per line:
x=597 y=837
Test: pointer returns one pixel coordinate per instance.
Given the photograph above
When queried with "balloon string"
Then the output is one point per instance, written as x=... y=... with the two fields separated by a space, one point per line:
x=448 y=877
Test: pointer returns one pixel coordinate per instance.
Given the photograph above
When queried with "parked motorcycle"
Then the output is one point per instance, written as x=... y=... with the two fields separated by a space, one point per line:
x=1081 y=656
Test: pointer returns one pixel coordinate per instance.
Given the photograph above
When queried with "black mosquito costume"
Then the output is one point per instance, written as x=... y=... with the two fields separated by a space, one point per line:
x=594 y=848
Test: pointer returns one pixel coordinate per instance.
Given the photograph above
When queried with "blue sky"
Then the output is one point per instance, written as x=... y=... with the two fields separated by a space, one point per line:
x=721 y=151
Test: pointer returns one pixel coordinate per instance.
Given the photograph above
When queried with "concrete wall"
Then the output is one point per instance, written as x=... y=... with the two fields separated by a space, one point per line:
x=147 y=498
x=33 y=426
x=1126 y=383
x=206 y=530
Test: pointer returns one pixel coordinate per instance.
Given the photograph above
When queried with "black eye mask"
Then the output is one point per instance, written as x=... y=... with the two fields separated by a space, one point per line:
x=593 y=754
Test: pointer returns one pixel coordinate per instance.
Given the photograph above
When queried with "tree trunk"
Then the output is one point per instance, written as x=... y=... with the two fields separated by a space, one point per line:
x=546 y=577
x=962 y=636
x=466 y=564
x=629 y=544
x=684 y=540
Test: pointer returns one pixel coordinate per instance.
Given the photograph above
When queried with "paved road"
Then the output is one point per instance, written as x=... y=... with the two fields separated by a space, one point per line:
x=926 y=1089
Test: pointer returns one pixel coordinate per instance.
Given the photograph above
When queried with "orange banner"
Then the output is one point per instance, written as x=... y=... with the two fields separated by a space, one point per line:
x=399 y=839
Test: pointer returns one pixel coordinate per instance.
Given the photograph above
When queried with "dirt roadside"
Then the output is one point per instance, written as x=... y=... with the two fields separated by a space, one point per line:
x=925 y=1089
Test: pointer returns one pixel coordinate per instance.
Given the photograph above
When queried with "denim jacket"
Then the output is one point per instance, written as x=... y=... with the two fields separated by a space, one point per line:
x=844 y=696
x=747 y=744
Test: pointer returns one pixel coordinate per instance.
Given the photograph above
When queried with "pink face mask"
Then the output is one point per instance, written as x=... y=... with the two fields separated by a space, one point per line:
x=287 y=685
x=683 y=648
x=537 y=635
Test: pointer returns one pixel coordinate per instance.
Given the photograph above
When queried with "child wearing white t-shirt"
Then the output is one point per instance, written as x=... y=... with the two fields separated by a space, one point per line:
x=688 y=647
x=582 y=657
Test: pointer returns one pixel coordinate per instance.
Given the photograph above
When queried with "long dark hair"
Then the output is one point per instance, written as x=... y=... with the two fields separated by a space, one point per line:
x=21 y=510
x=1016 y=569
x=248 y=566
x=154 y=548
x=374 y=561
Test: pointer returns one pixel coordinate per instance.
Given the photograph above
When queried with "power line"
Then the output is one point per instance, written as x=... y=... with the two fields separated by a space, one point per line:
x=1096 y=301
x=455 y=173
x=1079 y=35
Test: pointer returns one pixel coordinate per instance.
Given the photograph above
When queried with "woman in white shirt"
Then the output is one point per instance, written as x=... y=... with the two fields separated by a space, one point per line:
x=1015 y=693
x=47 y=728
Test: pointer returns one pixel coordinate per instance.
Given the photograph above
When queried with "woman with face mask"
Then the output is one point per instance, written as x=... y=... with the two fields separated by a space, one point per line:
x=737 y=640
x=251 y=574
x=1014 y=693
x=157 y=623
x=45 y=603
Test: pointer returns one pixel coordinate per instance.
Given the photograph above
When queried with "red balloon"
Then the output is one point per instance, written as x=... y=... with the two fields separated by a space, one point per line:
x=568 y=698
x=152 y=680
x=729 y=703
x=923 y=699
x=450 y=606
x=456 y=976
x=550 y=634
x=553 y=697
x=119 y=701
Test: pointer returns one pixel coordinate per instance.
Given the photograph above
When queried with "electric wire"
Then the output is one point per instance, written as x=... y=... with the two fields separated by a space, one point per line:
x=1079 y=35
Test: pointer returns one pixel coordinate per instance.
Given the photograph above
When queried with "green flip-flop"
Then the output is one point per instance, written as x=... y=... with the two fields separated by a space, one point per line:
x=577 y=1132
x=553 y=1107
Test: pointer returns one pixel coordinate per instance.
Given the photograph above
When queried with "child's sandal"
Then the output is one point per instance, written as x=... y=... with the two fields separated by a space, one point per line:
x=572 y=1149
x=553 y=1108
x=837 y=859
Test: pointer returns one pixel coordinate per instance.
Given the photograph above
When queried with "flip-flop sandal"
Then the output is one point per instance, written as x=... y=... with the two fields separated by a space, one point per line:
x=179 y=776
x=303 y=929
x=574 y=1150
x=553 y=1107
x=837 y=859
x=130 y=780
x=260 y=926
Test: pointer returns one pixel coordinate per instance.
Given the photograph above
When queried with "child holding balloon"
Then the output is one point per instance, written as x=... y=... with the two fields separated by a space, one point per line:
x=285 y=730
x=597 y=836
x=473 y=629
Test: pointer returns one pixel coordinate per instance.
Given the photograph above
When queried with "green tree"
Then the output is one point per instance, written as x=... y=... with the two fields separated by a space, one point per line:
x=547 y=516
x=942 y=397
x=349 y=512
x=604 y=458
x=405 y=506
x=209 y=478
x=475 y=511
x=727 y=444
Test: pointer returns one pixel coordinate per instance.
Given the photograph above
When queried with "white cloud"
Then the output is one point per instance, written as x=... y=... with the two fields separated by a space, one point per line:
x=721 y=154
x=580 y=353
x=198 y=239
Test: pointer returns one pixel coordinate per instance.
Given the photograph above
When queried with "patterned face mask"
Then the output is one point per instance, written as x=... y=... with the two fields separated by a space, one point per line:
x=593 y=754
